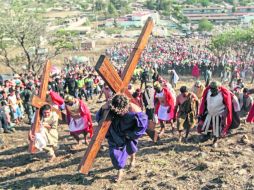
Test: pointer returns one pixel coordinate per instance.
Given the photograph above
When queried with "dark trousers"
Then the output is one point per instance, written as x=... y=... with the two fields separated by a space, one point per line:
x=89 y=93
x=29 y=111
x=3 y=121
x=142 y=82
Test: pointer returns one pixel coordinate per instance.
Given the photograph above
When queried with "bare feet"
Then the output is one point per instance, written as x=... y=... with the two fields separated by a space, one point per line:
x=119 y=176
x=156 y=137
x=133 y=164
x=180 y=136
x=76 y=146
x=52 y=159
x=87 y=142
x=215 y=142
x=173 y=130
x=245 y=139
x=162 y=131
x=133 y=160
x=215 y=145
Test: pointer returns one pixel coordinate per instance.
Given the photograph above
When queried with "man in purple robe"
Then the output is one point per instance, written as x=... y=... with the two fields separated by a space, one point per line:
x=128 y=124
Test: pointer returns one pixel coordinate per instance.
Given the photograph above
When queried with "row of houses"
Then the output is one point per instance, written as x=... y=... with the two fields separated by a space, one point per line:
x=221 y=15
x=214 y=10
x=136 y=19
x=218 y=15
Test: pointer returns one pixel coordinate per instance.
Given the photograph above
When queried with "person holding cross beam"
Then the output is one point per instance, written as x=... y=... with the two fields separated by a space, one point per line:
x=47 y=138
x=128 y=124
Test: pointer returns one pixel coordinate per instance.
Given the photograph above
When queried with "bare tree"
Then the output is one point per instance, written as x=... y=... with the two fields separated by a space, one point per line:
x=24 y=42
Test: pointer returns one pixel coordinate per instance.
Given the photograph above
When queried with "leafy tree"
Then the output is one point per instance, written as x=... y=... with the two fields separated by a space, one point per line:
x=127 y=10
x=205 y=3
x=230 y=1
x=62 y=39
x=183 y=19
x=234 y=9
x=112 y=10
x=83 y=5
x=244 y=2
x=205 y=25
x=23 y=41
x=151 y=4
x=119 y=4
x=238 y=40
x=166 y=7
x=191 y=2
x=100 y=5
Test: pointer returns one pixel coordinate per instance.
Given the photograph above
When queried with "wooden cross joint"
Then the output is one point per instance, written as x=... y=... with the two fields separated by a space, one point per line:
x=38 y=103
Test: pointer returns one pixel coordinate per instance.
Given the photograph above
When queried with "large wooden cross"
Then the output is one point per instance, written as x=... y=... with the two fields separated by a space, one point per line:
x=42 y=96
x=117 y=84
x=39 y=101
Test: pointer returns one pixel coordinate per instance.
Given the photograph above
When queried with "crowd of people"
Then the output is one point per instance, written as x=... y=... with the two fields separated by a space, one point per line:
x=186 y=58
x=211 y=108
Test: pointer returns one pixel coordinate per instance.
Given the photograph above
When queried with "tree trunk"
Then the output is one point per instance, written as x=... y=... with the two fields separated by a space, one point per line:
x=29 y=63
x=7 y=61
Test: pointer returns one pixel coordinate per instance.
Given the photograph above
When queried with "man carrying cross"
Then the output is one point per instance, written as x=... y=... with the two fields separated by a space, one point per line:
x=78 y=116
x=118 y=85
x=47 y=137
x=128 y=124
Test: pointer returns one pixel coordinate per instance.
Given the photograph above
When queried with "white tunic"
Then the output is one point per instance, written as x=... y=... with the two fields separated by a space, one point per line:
x=163 y=114
x=215 y=108
x=13 y=101
x=77 y=125
x=77 y=122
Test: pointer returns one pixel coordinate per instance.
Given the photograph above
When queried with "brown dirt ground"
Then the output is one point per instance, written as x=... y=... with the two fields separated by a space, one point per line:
x=171 y=165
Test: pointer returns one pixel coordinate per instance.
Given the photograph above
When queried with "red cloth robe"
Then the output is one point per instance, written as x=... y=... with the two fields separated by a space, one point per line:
x=85 y=113
x=195 y=71
x=250 y=118
x=56 y=98
x=170 y=102
x=227 y=99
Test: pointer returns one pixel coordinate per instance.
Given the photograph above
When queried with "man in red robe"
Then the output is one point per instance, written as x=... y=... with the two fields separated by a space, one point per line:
x=78 y=118
x=195 y=71
x=216 y=111
x=165 y=105
x=250 y=117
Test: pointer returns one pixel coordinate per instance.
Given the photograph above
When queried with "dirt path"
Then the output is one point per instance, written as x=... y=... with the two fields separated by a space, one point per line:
x=171 y=165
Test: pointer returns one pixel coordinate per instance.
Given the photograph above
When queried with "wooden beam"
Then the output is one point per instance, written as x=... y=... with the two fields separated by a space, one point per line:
x=95 y=144
x=108 y=73
x=137 y=51
x=42 y=95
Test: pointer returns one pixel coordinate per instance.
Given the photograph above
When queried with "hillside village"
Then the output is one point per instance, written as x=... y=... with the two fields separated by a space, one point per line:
x=89 y=20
